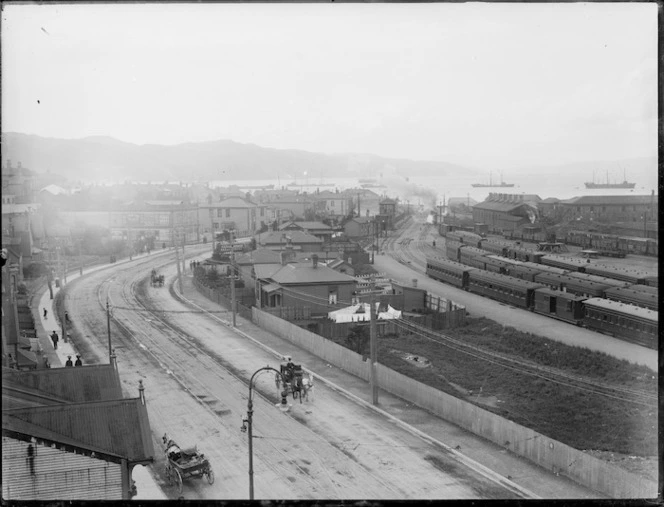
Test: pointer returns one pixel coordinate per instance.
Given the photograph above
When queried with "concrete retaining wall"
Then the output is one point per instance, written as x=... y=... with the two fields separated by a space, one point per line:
x=587 y=470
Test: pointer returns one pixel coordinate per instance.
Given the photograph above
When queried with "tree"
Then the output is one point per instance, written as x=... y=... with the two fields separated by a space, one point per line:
x=358 y=339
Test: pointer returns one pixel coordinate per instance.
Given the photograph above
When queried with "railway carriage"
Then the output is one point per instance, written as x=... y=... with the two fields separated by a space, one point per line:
x=628 y=322
x=563 y=262
x=465 y=237
x=617 y=273
x=648 y=289
x=633 y=296
x=448 y=271
x=498 y=248
x=503 y=288
x=630 y=245
x=559 y=305
x=468 y=254
x=544 y=268
x=578 y=286
x=602 y=280
x=523 y=272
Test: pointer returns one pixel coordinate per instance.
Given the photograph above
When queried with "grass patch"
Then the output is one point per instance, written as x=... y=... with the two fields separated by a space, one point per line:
x=576 y=417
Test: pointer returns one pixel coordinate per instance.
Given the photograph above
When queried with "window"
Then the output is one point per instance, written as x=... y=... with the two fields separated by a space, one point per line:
x=228 y=212
x=220 y=212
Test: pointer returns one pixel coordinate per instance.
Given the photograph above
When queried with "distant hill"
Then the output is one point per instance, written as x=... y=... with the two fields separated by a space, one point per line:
x=99 y=158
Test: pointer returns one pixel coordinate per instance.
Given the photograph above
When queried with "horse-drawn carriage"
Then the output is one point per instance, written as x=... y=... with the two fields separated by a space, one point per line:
x=184 y=463
x=156 y=280
x=294 y=380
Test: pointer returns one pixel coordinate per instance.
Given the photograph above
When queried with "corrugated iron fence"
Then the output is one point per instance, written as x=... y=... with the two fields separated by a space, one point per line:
x=555 y=456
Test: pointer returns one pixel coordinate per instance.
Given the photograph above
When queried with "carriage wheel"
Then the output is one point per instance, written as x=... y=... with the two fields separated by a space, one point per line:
x=178 y=480
x=210 y=475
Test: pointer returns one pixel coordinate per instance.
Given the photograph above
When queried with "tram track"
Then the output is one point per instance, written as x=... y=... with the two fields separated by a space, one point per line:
x=193 y=358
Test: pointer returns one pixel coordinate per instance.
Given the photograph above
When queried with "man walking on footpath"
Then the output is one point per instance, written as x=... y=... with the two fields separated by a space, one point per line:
x=69 y=363
x=55 y=339
x=45 y=313
x=78 y=360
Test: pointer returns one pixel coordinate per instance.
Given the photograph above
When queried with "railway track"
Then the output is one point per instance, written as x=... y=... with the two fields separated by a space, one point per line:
x=412 y=251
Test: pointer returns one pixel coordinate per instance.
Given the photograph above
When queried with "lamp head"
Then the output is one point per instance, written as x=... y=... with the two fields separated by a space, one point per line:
x=243 y=428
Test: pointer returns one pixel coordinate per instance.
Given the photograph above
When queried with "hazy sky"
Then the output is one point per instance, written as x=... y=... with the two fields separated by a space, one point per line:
x=486 y=85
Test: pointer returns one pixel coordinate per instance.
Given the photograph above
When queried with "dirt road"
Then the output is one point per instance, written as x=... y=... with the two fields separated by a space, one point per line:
x=196 y=371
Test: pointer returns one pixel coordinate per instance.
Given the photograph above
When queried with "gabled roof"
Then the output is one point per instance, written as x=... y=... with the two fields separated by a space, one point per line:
x=279 y=237
x=54 y=189
x=259 y=256
x=628 y=200
x=233 y=202
x=305 y=273
x=265 y=271
x=305 y=225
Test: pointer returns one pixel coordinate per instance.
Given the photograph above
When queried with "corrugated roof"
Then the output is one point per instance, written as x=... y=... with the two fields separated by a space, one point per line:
x=279 y=237
x=119 y=427
x=598 y=200
x=265 y=271
x=306 y=273
x=86 y=383
x=305 y=225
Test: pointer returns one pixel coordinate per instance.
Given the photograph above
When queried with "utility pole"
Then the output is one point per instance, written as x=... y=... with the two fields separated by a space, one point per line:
x=63 y=324
x=373 y=237
x=372 y=344
x=177 y=263
x=108 y=327
x=232 y=277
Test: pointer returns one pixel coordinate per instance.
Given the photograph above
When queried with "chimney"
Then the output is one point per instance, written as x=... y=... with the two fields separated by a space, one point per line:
x=314 y=258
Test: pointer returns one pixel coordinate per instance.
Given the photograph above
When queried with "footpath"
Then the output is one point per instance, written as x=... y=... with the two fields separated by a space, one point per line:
x=523 y=473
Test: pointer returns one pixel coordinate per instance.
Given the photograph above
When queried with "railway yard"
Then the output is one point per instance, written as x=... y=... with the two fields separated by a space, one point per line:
x=527 y=367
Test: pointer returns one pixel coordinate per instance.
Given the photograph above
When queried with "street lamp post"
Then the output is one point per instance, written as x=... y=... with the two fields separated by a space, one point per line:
x=247 y=422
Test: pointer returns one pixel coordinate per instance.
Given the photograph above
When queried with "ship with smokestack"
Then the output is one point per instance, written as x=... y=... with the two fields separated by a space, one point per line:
x=491 y=184
x=596 y=185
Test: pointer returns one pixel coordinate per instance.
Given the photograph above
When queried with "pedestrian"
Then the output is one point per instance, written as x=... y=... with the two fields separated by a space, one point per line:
x=69 y=363
x=45 y=313
x=55 y=339
x=78 y=360
x=67 y=317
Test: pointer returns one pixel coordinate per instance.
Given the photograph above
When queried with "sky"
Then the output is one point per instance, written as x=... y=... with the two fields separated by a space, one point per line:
x=483 y=85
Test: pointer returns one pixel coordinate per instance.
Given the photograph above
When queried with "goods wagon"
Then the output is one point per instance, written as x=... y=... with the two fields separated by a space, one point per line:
x=559 y=305
x=524 y=254
x=452 y=249
x=652 y=281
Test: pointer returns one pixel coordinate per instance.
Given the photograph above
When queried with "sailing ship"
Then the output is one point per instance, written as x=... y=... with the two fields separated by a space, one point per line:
x=492 y=184
x=595 y=185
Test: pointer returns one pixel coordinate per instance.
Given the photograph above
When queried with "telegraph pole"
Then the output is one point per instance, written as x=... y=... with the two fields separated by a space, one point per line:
x=177 y=263
x=108 y=327
x=372 y=344
x=232 y=277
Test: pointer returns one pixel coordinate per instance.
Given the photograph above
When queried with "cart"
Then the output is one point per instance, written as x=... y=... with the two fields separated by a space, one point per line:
x=185 y=463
